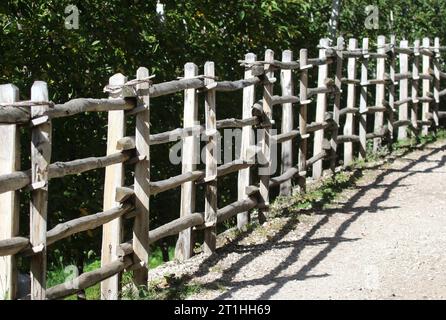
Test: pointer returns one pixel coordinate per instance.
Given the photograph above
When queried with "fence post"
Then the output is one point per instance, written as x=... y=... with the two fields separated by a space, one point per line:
x=189 y=151
x=244 y=175
x=40 y=161
x=351 y=101
x=141 y=184
x=114 y=177
x=321 y=108
x=210 y=211
x=415 y=80
x=391 y=107
x=265 y=164
x=337 y=102
x=286 y=81
x=303 y=91
x=363 y=101
x=9 y=201
x=426 y=88
x=436 y=62
x=404 y=84
x=380 y=91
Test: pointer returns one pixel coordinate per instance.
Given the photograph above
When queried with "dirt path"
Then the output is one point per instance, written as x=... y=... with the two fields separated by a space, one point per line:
x=383 y=240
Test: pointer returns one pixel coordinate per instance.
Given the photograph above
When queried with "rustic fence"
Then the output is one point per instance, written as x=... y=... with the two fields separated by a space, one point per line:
x=411 y=114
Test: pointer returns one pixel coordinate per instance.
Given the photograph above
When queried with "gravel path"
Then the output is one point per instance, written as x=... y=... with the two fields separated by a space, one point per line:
x=384 y=239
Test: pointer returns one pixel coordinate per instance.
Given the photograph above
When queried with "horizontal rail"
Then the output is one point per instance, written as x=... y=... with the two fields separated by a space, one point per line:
x=20 y=179
x=12 y=246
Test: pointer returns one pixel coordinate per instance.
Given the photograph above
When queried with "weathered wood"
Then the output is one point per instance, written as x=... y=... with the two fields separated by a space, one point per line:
x=12 y=246
x=142 y=184
x=373 y=109
x=426 y=88
x=189 y=160
x=20 y=179
x=228 y=86
x=403 y=50
x=317 y=157
x=401 y=123
x=234 y=166
x=363 y=103
x=244 y=175
x=286 y=176
x=40 y=160
x=348 y=139
x=390 y=105
x=348 y=110
x=426 y=52
x=404 y=86
x=349 y=127
x=437 y=63
x=176 y=181
x=234 y=208
x=337 y=102
x=265 y=165
x=303 y=110
x=124 y=193
x=321 y=108
x=89 y=279
x=9 y=202
x=378 y=134
x=238 y=123
x=114 y=177
x=126 y=143
x=380 y=91
x=286 y=82
x=415 y=84
x=287 y=136
x=166 y=88
x=210 y=205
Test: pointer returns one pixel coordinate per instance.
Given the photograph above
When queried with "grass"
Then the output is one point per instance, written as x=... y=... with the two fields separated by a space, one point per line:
x=61 y=273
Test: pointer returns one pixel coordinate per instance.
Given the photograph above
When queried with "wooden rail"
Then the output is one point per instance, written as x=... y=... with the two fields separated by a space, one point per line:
x=133 y=99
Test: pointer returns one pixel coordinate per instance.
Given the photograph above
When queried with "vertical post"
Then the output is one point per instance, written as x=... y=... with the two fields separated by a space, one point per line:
x=363 y=101
x=142 y=184
x=210 y=205
x=391 y=108
x=321 y=108
x=351 y=101
x=265 y=167
x=114 y=177
x=303 y=91
x=426 y=87
x=9 y=201
x=244 y=175
x=436 y=62
x=415 y=80
x=189 y=159
x=380 y=91
x=40 y=161
x=286 y=81
x=337 y=102
x=404 y=85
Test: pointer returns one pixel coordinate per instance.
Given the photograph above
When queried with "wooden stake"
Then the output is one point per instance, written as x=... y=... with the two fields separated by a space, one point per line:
x=286 y=81
x=210 y=209
x=9 y=201
x=337 y=102
x=244 y=175
x=380 y=91
x=142 y=184
x=351 y=102
x=321 y=108
x=114 y=177
x=363 y=102
x=189 y=160
x=404 y=85
x=390 y=115
x=40 y=161
x=415 y=81
x=303 y=90
x=426 y=87
x=265 y=165
x=437 y=64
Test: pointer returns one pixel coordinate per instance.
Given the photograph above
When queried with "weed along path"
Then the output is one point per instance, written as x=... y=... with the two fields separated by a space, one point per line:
x=382 y=237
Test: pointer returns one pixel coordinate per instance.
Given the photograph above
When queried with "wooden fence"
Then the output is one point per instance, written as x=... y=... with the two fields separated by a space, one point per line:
x=337 y=122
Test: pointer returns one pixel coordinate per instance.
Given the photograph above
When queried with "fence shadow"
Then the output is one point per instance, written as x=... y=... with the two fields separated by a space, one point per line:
x=349 y=207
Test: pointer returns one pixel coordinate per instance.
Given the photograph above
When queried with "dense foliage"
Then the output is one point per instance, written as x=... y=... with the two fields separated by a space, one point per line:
x=121 y=35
